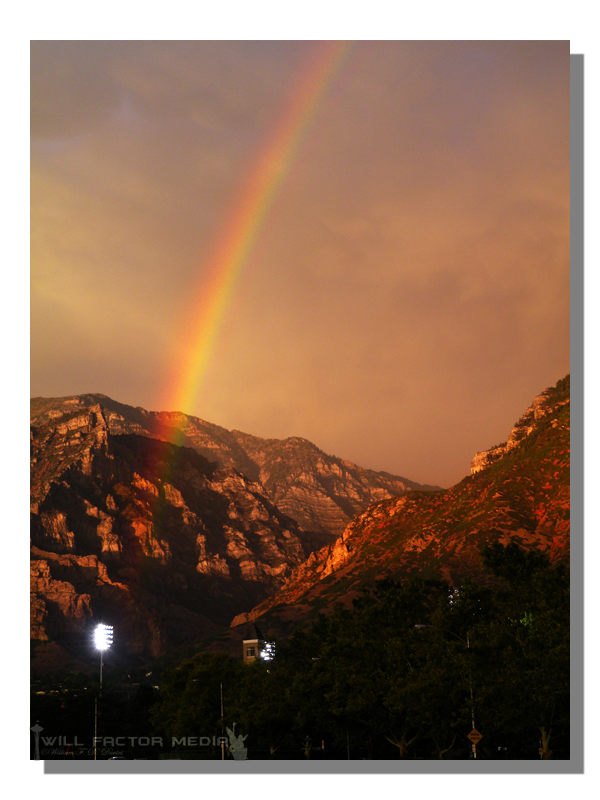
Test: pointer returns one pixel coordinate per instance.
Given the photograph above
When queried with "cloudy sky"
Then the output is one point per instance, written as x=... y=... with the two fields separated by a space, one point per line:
x=406 y=294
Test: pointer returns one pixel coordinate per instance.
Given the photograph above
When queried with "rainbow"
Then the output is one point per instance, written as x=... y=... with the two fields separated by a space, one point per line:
x=231 y=250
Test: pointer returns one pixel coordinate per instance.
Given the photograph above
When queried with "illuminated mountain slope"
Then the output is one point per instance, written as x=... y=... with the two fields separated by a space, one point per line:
x=323 y=493
x=522 y=493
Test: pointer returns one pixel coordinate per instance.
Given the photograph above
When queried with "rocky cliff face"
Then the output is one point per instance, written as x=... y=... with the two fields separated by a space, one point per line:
x=521 y=494
x=148 y=535
x=322 y=493
x=543 y=405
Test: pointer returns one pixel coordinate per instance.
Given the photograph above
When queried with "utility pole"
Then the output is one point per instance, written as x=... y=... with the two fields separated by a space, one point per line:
x=474 y=736
x=222 y=736
x=474 y=745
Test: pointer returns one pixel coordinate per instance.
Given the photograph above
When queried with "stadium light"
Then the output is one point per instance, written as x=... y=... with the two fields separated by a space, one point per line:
x=103 y=636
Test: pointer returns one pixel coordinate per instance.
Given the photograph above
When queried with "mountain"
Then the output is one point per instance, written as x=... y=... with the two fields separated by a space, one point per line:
x=153 y=535
x=322 y=493
x=147 y=535
x=518 y=490
x=169 y=546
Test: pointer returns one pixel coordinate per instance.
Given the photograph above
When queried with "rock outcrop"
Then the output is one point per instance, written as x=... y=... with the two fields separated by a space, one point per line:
x=543 y=405
x=146 y=534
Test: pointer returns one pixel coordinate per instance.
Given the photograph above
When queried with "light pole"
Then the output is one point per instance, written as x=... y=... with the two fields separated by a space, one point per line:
x=103 y=636
x=470 y=675
x=222 y=723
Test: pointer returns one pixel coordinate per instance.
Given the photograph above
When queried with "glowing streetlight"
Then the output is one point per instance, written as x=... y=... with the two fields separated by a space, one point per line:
x=103 y=636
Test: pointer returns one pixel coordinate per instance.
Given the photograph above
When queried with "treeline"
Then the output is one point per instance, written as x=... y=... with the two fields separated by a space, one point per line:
x=563 y=388
x=402 y=674
x=407 y=672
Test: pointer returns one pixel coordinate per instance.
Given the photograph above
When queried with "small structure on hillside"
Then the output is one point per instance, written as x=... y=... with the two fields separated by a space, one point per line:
x=256 y=646
x=253 y=644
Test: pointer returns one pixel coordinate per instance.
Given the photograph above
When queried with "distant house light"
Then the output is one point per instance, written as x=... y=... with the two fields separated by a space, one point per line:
x=268 y=651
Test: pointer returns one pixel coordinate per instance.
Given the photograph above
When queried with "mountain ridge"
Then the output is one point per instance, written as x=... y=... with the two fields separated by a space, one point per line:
x=323 y=493
x=519 y=493
x=176 y=546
